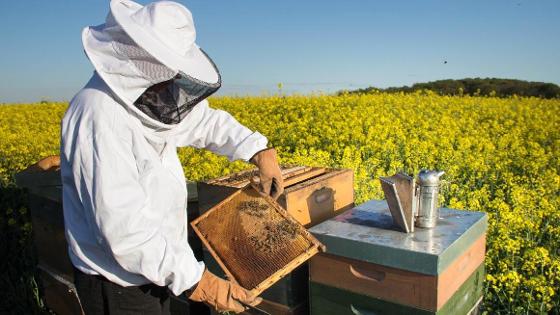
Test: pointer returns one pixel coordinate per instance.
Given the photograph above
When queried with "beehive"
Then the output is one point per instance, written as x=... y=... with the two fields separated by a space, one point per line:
x=371 y=264
x=254 y=240
x=55 y=270
x=311 y=195
x=329 y=300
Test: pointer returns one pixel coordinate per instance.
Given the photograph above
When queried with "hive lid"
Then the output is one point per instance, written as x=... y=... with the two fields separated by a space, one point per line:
x=254 y=240
x=366 y=232
x=48 y=184
x=32 y=179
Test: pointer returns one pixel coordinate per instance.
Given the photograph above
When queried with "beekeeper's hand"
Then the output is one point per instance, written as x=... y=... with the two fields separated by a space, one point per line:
x=270 y=181
x=221 y=294
x=50 y=163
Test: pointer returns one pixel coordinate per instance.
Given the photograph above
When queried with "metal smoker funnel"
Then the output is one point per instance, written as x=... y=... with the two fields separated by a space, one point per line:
x=400 y=193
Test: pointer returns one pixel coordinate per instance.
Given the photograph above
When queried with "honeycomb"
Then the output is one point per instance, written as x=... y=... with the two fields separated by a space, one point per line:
x=254 y=239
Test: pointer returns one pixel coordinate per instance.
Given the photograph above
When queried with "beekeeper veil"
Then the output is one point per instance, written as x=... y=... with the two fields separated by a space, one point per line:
x=168 y=101
x=148 y=56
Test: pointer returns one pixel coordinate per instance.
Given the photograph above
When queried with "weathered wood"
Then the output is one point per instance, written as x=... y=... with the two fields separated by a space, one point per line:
x=242 y=178
x=298 y=178
x=326 y=300
x=417 y=290
x=320 y=198
x=288 y=173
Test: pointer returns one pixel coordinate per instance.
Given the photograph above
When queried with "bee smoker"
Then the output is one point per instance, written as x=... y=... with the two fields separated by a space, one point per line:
x=413 y=203
x=428 y=190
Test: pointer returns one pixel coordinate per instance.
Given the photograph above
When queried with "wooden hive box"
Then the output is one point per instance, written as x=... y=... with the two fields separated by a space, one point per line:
x=311 y=195
x=49 y=240
x=327 y=300
x=369 y=262
x=54 y=266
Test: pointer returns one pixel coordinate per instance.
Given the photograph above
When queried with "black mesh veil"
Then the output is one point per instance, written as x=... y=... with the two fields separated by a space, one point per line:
x=172 y=96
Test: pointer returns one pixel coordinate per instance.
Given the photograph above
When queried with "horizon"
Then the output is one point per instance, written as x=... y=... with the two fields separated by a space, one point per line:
x=308 y=48
x=280 y=92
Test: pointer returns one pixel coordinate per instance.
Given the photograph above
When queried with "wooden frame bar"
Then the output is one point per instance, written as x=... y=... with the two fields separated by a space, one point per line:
x=314 y=248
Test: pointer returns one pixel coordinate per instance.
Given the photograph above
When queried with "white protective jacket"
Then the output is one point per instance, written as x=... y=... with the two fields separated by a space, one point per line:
x=124 y=190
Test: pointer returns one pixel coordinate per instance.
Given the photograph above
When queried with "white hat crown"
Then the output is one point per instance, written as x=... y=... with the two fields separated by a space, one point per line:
x=164 y=30
x=170 y=22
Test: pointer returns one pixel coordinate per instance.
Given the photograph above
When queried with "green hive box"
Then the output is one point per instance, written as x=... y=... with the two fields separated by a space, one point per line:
x=368 y=260
x=327 y=300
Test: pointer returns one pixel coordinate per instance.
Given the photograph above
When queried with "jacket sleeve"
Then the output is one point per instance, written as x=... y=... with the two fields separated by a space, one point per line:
x=219 y=132
x=128 y=221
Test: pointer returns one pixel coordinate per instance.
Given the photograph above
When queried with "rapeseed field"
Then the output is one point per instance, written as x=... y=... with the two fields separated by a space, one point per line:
x=501 y=156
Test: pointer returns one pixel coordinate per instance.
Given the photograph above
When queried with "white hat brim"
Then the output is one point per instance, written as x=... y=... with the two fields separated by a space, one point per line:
x=194 y=63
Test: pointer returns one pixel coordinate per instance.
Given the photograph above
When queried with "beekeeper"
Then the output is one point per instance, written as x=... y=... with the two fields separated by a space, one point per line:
x=124 y=191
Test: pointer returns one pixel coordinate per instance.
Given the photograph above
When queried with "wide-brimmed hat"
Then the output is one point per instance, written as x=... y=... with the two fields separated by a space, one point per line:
x=139 y=46
x=165 y=29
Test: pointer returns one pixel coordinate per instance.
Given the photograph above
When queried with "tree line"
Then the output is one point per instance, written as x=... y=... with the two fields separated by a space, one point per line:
x=477 y=87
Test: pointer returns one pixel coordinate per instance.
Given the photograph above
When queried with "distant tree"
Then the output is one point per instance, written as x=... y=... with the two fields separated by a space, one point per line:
x=478 y=87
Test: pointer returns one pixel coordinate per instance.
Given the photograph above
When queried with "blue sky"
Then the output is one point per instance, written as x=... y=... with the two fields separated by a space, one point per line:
x=309 y=46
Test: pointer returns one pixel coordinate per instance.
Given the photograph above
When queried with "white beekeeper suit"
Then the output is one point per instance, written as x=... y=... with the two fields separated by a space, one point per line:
x=124 y=191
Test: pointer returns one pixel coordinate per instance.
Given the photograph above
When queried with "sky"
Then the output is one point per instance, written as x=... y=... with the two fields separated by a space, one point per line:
x=309 y=46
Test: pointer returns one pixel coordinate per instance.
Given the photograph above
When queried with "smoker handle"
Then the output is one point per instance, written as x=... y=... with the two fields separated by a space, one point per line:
x=323 y=194
x=360 y=311
x=369 y=275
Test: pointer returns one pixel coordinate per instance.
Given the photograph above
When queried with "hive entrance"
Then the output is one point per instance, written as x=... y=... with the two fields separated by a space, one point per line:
x=254 y=240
